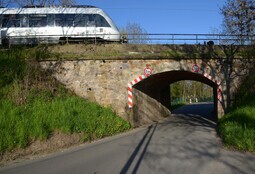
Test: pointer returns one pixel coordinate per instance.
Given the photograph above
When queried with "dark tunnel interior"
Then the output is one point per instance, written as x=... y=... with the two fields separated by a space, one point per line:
x=152 y=95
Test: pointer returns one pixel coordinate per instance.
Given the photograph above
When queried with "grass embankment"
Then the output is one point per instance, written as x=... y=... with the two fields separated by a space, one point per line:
x=237 y=128
x=33 y=105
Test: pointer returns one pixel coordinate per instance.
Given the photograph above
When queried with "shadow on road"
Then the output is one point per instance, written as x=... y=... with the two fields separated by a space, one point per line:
x=139 y=152
x=151 y=130
x=185 y=143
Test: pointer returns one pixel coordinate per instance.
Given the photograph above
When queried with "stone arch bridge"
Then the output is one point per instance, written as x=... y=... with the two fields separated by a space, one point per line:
x=123 y=85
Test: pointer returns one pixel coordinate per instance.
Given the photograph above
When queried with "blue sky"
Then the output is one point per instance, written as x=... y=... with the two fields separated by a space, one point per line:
x=164 y=16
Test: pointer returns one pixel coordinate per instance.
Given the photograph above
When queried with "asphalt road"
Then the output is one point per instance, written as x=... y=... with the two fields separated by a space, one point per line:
x=183 y=143
x=205 y=110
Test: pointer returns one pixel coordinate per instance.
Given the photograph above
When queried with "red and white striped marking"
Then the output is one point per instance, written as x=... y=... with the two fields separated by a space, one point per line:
x=130 y=89
x=141 y=77
x=219 y=90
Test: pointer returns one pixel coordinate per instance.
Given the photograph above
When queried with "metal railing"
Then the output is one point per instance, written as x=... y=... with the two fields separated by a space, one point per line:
x=208 y=39
x=217 y=39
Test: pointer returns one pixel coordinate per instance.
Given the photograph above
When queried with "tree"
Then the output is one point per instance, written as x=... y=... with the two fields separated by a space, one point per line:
x=4 y=3
x=135 y=33
x=67 y=2
x=176 y=90
x=239 y=19
x=22 y=3
x=184 y=90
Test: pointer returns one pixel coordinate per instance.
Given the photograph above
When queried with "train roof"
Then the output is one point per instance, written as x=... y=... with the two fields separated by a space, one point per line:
x=68 y=6
x=86 y=9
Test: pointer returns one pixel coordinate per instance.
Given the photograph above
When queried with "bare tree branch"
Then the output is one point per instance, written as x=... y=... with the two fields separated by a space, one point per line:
x=22 y=3
x=239 y=19
x=136 y=34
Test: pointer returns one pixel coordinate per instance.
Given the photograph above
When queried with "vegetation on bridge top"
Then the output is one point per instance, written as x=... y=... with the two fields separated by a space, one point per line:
x=133 y=51
x=140 y=51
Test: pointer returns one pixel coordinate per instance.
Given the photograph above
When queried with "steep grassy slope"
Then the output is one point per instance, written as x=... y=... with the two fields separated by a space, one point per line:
x=34 y=105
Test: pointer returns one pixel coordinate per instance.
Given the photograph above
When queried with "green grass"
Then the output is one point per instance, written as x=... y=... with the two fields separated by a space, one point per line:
x=237 y=128
x=33 y=105
x=37 y=120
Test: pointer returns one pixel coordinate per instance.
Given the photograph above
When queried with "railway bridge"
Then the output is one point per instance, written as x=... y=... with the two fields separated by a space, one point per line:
x=138 y=88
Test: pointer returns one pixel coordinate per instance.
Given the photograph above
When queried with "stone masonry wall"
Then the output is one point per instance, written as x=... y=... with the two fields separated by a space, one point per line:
x=105 y=81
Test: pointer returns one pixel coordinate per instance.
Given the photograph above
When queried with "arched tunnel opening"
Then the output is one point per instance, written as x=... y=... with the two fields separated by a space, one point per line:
x=152 y=96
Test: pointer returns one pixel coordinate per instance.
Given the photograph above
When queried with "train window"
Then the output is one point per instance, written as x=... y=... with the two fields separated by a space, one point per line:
x=5 y=21
x=64 y=20
x=50 y=20
x=58 y=20
x=69 y=18
x=80 y=20
x=37 y=20
x=91 y=20
x=100 y=21
x=24 y=20
x=11 y=20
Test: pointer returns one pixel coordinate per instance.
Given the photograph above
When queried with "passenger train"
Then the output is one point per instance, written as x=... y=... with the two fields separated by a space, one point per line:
x=51 y=25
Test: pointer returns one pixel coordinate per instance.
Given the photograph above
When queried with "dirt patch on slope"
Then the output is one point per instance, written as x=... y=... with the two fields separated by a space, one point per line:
x=57 y=142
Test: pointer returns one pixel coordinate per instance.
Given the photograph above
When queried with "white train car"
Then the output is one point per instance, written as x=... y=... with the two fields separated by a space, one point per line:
x=35 y=25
